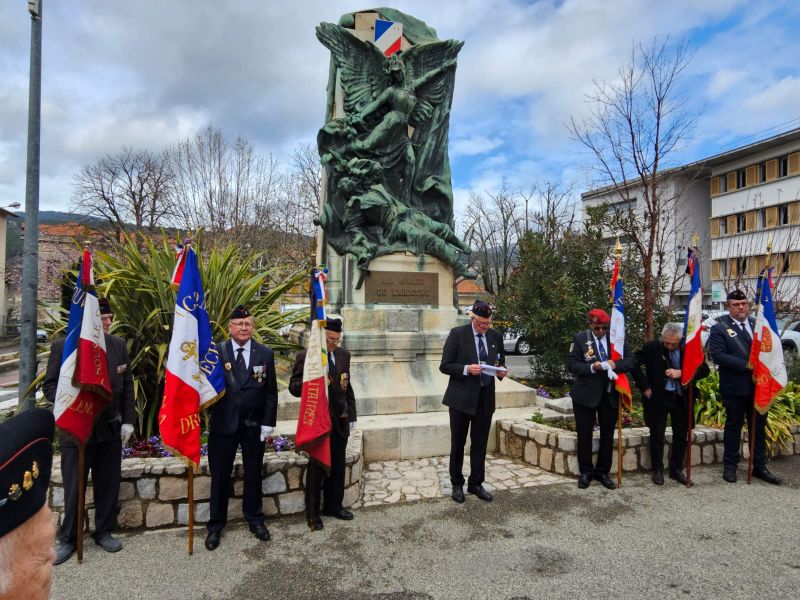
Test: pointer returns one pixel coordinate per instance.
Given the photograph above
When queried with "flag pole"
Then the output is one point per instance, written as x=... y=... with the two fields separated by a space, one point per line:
x=751 y=426
x=191 y=509
x=81 y=498
x=690 y=399
x=618 y=253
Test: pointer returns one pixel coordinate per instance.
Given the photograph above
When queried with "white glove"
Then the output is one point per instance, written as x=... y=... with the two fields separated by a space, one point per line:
x=266 y=431
x=611 y=374
x=352 y=426
x=126 y=431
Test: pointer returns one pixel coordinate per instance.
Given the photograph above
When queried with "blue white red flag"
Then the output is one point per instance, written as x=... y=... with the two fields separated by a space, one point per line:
x=314 y=422
x=693 y=323
x=84 y=388
x=766 y=353
x=388 y=36
x=194 y=377
x=616 y=334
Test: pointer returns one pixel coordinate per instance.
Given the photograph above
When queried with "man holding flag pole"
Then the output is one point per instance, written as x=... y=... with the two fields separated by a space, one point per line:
x=89 y=381
x=731 y=344
x=193 y=378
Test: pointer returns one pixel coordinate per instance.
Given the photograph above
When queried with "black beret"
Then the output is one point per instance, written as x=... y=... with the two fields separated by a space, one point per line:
x=240 y=312
x=105 y=306
x=482 y=309
x=26 y=457
x=333 y=325
x=736 y=295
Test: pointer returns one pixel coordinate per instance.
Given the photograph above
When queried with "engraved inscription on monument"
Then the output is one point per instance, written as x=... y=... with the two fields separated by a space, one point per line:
x=392 y=287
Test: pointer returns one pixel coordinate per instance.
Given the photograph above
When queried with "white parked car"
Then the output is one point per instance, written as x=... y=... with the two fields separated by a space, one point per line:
x=790 y=337
x=514 y=342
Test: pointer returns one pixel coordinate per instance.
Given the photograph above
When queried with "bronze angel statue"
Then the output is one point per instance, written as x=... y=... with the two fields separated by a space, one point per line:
x=389 y=148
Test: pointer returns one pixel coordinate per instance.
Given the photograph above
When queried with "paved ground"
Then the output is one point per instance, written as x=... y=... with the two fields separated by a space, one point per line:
x=716 y=540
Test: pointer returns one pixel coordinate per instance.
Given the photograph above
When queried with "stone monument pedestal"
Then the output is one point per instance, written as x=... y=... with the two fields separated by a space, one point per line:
x=395 y=327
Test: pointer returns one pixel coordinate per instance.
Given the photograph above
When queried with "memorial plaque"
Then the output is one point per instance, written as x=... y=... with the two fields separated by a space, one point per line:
x=394 y=287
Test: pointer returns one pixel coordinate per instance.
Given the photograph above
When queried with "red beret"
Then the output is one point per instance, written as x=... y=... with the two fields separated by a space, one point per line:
x=597 y=316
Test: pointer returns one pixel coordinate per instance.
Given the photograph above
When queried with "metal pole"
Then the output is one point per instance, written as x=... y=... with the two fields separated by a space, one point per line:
x=30 y=248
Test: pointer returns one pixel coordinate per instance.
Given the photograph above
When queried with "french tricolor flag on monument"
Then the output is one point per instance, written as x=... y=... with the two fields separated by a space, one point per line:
x=388 y=35
x=83 y=388
x=693 y=355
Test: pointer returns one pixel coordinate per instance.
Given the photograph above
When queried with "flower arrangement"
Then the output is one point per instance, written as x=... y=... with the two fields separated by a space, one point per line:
x=153 y=447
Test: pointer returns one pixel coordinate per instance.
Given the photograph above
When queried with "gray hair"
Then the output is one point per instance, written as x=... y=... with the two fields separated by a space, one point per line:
x=672 y=329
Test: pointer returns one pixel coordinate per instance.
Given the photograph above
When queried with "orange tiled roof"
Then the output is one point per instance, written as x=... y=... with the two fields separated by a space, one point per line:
x=468 y=286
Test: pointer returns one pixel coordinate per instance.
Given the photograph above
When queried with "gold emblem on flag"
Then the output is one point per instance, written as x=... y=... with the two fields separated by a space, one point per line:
x=766 y=343
x=189 y=350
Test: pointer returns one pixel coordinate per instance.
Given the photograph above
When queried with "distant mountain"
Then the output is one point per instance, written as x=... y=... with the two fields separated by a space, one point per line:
x=55 y=216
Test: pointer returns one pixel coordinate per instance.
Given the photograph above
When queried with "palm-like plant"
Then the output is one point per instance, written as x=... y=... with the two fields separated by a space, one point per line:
x=136 y=274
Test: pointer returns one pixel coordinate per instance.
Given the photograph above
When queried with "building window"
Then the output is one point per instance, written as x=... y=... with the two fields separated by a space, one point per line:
x=741 y=223
x=784 y=262
x=783 y=166
x=741 y=179
x=762 y=172
x=723 y=184
x=723 y=226
x=741 y=265
x=762 y=218
x=723 y=269
x=783 y=214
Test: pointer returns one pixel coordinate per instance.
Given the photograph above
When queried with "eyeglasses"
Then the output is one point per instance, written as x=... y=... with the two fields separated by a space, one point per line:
x=241 y=324
x=484 y=323
x=599 y=327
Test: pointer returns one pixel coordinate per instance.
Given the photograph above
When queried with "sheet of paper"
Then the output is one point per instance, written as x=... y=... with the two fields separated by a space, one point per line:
x=492 y=370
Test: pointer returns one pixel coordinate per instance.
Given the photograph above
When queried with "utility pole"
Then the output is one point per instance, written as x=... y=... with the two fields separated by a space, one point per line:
x=30 y=248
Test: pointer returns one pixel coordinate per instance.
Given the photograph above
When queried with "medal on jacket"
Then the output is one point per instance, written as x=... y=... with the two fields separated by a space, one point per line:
x=731 y=332
x=258 y=373
x=343 y=381
x=589 y=354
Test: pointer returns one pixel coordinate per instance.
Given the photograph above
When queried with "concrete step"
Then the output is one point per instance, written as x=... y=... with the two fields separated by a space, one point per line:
x=418 y=435
x=560 y=405
x=411 y=387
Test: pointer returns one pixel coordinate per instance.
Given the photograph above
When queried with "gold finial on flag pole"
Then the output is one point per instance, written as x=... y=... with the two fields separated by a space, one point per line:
x=618 y=249
x=695 y=240
x=769 y=250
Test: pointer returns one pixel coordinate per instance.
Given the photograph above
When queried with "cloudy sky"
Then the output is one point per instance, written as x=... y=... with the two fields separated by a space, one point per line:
x=145 y=73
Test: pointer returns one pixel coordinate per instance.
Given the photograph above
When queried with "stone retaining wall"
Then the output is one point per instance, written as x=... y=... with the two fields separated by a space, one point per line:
x=153 y=492
x=556 y=450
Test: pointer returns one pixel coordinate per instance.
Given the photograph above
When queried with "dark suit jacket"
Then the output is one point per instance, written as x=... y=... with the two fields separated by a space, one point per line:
x=653 y=357
x=588 y=386
x=248 y=399
x=730 y=350
x=121 y=409
x=341 y=400
x=463 y=391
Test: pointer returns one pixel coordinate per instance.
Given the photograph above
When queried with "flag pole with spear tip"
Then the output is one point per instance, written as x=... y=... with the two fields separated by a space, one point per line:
x=762 y=280
x=87 y=245
x=690 y=399
x=618 y=254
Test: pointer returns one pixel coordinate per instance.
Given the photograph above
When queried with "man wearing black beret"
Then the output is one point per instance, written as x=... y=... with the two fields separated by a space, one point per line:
x=342 y=409
x=468 y=350
x=245 y=416
x=111 y=432
x=729 y=343
x=26 y=523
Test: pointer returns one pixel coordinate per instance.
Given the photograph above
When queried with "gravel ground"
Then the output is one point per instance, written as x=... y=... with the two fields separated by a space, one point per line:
x=715 y=540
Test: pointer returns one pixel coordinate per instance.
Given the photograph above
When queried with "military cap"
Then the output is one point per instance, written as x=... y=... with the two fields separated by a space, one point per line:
x=26 y=457
x=597 y=316
x=736 y=295
x=105 y=306
x=240 y=312
x=333 y=325
x=481 y=309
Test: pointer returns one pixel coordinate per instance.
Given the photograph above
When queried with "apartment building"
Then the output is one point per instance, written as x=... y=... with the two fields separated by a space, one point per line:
x=754 y=194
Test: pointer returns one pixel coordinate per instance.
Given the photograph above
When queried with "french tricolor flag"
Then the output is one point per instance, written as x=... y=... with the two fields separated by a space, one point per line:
x=83 y=387
x=766 y=353
x=388 y=36
x=194 y=377
x=692 y=327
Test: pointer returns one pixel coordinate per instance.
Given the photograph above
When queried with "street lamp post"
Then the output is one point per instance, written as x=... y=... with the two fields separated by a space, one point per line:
x=30 y=248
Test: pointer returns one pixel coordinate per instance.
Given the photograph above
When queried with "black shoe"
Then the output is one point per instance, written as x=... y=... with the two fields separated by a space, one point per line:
x=212 y=540
x=658 y=476
x=315 y=524
x=678 y=476
x=480 y=492
x=108 y=543
x=458 y=493
x=584 y=480
x=64 y=550
x=729 y=475
x=260 y=531
x=764 y=475
x=605 y=480
x=342 y=514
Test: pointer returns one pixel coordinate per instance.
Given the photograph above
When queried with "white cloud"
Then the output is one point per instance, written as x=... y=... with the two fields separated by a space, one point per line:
x=476 y=144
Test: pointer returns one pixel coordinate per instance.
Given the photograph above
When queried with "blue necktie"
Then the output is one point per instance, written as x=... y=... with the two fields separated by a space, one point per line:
x=601 y=347
x=483 y=356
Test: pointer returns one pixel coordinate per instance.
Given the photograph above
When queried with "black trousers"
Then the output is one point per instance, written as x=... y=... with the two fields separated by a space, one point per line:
x=737 y=409
x=606 y=414
x=655 y=415
x=221 y=454
x=105 y=461
x=333 y=483
x=478 y=427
